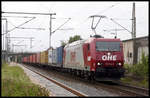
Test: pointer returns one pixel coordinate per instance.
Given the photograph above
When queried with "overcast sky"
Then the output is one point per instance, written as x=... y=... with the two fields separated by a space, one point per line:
x=79 y=13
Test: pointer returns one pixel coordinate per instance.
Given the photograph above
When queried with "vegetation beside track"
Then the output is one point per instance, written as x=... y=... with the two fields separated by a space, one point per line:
x=138 y=74
x=16 y=83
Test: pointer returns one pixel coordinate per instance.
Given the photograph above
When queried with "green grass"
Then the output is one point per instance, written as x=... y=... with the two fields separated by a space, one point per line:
x=16 y=83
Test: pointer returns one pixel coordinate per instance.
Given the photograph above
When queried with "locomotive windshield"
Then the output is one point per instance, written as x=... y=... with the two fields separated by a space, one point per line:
x=107 y=46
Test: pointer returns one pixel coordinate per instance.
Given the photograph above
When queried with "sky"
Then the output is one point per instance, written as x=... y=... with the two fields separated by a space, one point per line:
x=80 y=22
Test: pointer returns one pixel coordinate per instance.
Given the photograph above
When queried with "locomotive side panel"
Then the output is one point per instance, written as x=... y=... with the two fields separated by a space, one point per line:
x=73 y=56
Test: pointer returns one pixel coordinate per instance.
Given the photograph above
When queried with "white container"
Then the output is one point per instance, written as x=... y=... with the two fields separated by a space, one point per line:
x=54 y=56
x=50 y=56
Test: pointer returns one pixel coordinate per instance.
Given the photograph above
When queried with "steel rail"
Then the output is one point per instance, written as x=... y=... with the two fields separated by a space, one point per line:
x=60 y=84
x=141 y=91
x=127 y=89
x=130 y=91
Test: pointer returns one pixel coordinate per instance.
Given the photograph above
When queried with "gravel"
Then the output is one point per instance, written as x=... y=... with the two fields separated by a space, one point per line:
x=74 y=83
x=53 y=89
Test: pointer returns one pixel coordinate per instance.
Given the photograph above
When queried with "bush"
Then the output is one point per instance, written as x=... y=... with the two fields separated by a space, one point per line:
x=140 y=69
x=127 y=68
x=139 y=73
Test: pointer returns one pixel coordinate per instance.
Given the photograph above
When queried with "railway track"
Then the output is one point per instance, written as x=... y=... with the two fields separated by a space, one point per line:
x=125 y=88
x=80 y=94
x=115 y=87
x=137 y=91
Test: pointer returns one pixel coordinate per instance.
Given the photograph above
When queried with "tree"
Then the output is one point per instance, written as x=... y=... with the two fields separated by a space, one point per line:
x=75 y=38
x=63 y=43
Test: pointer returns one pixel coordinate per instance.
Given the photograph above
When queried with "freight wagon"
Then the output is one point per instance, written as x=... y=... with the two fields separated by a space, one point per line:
x=34 y=58
x=30 y=59
x=60 y=56
x=50 y=56
x=54 y=56
x=25 y=59
x=44 y=58
x=38 y=58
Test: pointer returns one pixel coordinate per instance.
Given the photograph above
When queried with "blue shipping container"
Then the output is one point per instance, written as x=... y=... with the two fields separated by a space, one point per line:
x=60 y=55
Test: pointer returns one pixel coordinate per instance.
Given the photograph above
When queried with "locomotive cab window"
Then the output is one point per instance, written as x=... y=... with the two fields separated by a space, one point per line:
x=107 y=46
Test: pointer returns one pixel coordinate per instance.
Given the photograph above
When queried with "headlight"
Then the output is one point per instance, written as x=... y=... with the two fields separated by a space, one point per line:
x=99 y=64
x=119 y=64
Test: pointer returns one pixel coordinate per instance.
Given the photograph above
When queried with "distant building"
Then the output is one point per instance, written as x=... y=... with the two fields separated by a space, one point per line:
x=141 y=45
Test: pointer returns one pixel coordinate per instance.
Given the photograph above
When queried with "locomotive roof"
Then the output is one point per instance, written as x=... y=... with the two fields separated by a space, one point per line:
x=89 y=40
x=75 y=43
x=101 y=39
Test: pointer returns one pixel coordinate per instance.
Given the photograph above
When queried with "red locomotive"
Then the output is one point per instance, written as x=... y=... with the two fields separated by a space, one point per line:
x=95 y=57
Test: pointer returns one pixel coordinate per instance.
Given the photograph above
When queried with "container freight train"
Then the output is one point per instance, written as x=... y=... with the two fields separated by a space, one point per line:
x=94 y=58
